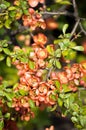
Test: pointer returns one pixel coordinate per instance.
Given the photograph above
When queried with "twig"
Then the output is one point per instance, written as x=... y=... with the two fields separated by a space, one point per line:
x=75 y=27
x=76 y=36
x=82 y=29
x=75 y=10
x=58 y=13
x=83 y=19
x=49 y=72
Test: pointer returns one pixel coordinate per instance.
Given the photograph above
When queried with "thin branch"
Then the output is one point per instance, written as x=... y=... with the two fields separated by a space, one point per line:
x=75 y=27
x=82 y=29
x=76 y=18
x=49 y=72
x=84 y=19
x=58 y=13
x=75 y=9
x=76 y=36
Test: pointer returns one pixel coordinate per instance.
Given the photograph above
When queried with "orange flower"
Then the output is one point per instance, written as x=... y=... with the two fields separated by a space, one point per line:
x=40 y=39
x=33 y=82
x=51 y=128
x=42 y=54
x=53 y=75
x=42 y=89
x=39 y=73
x=33 y=3
x=51 y=23
x=62 y=77
x=41 y=63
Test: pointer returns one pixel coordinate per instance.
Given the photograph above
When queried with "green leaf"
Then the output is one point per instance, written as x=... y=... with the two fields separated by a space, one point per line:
x=0 y=49
x=65 y=28
x=6 y=51
x=5 y=84
x=75 y=107
x=83 y=120
x=12 y=13
x=67 y=103
x=58 y=64
x=74 y=119
x=23 y=92
x=78 y=48
x=57 y=41
x=2 y=57
x=12 y=8
x=60 y=102
x=9 y=104
x=31 y=64
x=65 y=2
x=53 y=108
x=32 y=104
x=8 y=23
x=1 y=124
x=8 y=96
x=50 y=50
x=7 y=3
x=65 y=88
x=57 y=84
x=3 y=6
x=7 y=115
x=3 y=43
x=8 y=61
x=58 y=53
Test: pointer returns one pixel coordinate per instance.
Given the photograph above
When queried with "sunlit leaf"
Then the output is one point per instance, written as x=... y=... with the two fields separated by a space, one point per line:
x=65 y=27
x=8 y=61
x=78 y=48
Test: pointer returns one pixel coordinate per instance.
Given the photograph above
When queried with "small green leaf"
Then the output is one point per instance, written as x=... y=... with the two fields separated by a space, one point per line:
x=0 y=49
x=50 y=50
x=1 y=124
x=12 y=8
x=78 y=48
x=7 y=115
x=67 y=103
x=6 y=3
x=65 y=28
x=8 y=96
x=8 y=61
x=8 y=23
x=65 y=2
x=23 y=92
x=74 y=119
x=3 y=43
x=60 y=102
x=12 y=14
x=9 y=104
x=3 y=6
x=2 y=57
x=31 y=64
x=83 y=121
x=58 y=53
x=53 y=108
x=32 y=104
x=65 y=88
x=6 y=51
x=57 y=84
x=1 y=24
x=58 y=64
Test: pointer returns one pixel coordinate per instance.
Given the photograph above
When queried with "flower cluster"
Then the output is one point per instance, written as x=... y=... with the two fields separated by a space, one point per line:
x=31 y=80
x=72 y=77
x=43 y=92
x=33 y=20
